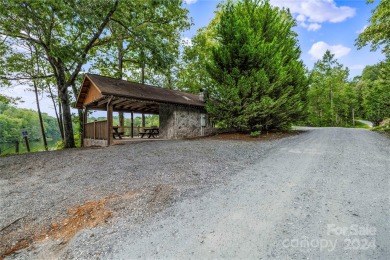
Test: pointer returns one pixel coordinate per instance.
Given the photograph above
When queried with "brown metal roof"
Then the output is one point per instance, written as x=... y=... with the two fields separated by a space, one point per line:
x=122 y=88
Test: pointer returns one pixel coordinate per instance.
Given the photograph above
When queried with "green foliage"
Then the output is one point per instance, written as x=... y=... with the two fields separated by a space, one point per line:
x=259 y=81
x=255 y=134
x=67 y=34
x=193 y=75
x=331 y=97
x=150 y=120
x=147 y=52
x=374 y=89
x=384 y=127
x=377 y=33
x=13 y=120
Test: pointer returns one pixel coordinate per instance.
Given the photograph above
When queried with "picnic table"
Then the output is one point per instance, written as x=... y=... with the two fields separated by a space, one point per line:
x=116 y=132
x=149 y=131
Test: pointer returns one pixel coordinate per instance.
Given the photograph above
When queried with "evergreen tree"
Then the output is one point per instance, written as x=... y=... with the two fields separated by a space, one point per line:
x=259 y=78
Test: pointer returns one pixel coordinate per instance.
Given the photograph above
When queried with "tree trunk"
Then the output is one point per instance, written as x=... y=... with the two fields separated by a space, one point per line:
x=40 y=116
x=66 y=114
x=80 y=112
x=120 y=76
x=59 y=121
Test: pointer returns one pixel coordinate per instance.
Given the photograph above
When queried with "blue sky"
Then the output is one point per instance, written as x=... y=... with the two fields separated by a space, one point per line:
x=322 y=24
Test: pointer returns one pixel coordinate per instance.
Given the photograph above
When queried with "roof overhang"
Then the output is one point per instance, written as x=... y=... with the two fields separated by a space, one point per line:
x=97 y=95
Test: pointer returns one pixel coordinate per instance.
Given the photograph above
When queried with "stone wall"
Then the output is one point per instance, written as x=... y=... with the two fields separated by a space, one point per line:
x=94 y=142
x=178 y=122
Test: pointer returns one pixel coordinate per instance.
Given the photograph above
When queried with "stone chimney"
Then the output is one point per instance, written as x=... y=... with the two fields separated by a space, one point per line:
x=202 y=95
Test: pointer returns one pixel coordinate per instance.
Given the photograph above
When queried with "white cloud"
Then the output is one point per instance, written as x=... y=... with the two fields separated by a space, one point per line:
x=189 y=2
x=318 y=49
x=310 y=13
x=186 y=41
x=357 y=67
x=313 y=27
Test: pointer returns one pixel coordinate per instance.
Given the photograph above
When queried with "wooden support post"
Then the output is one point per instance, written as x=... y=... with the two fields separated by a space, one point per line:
x=143 y=120
x=85 y=119
x=109 y=124
x=27 y=143
x=17 y=146
x=132 y=125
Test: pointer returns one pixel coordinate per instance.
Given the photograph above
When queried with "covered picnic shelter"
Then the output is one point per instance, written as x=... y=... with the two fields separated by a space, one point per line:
x=181 y=114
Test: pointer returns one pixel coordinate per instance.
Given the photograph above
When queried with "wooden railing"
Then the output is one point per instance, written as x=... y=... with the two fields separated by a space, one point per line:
x=96 y=130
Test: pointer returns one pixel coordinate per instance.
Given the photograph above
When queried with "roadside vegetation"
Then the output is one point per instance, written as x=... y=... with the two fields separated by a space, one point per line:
x=248 y=63
x=384 y=127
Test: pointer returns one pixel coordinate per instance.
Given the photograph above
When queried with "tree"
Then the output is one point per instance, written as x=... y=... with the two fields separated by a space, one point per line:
x=376 y=97
x=331 y=97
x=375 y=92
x=192 y=74
x=258 y=76
x=67 y=32
x=377 y=33
x=150 y=45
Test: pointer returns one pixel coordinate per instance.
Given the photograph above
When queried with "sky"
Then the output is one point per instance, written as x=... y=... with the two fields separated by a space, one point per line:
x=322 y=25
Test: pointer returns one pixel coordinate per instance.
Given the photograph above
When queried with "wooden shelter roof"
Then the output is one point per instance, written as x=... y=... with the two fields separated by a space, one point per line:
x=96 y=91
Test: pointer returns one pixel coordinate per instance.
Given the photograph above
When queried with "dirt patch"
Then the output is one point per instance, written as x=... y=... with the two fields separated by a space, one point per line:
x=272 y=135
x=88 y=215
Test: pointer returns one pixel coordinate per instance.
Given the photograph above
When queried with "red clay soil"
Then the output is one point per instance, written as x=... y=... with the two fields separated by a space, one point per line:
x=88 y=215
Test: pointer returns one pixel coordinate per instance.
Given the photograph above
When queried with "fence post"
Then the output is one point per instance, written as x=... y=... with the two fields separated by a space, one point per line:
x=17 y=146
x=27 y=143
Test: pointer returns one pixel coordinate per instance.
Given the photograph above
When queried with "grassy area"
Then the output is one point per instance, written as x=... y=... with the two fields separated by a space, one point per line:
x=361 y=125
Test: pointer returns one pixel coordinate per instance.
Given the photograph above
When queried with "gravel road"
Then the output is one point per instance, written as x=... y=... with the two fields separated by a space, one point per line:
x=323 y=194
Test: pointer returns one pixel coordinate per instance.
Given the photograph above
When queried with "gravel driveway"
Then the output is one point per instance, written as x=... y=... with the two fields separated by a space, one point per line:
x=321 y=194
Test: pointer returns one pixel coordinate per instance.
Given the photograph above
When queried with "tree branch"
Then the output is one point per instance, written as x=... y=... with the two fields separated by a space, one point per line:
x=27 y=78
x=91 y=42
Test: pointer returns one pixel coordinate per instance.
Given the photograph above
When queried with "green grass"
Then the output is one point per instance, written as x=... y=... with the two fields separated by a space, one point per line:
x=361 y=125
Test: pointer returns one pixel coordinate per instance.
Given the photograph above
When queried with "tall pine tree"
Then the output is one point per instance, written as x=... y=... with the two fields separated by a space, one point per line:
x=260 y=81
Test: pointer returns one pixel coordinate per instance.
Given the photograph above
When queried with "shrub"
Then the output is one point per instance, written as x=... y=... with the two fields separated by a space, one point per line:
x=255 y=134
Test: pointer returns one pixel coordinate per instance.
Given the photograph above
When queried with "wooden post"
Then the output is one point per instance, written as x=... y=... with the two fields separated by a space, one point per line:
x=109 y=124
x=132 y=125
x=27 y=143
x=143 y=120
x=353 y=117
x=17 y=146
x=85 y=119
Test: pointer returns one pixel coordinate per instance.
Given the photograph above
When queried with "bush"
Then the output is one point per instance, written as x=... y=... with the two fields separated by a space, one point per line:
x=255 y=134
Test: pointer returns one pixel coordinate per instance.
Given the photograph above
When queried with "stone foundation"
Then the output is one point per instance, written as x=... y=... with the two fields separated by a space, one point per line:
x=94 y=142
